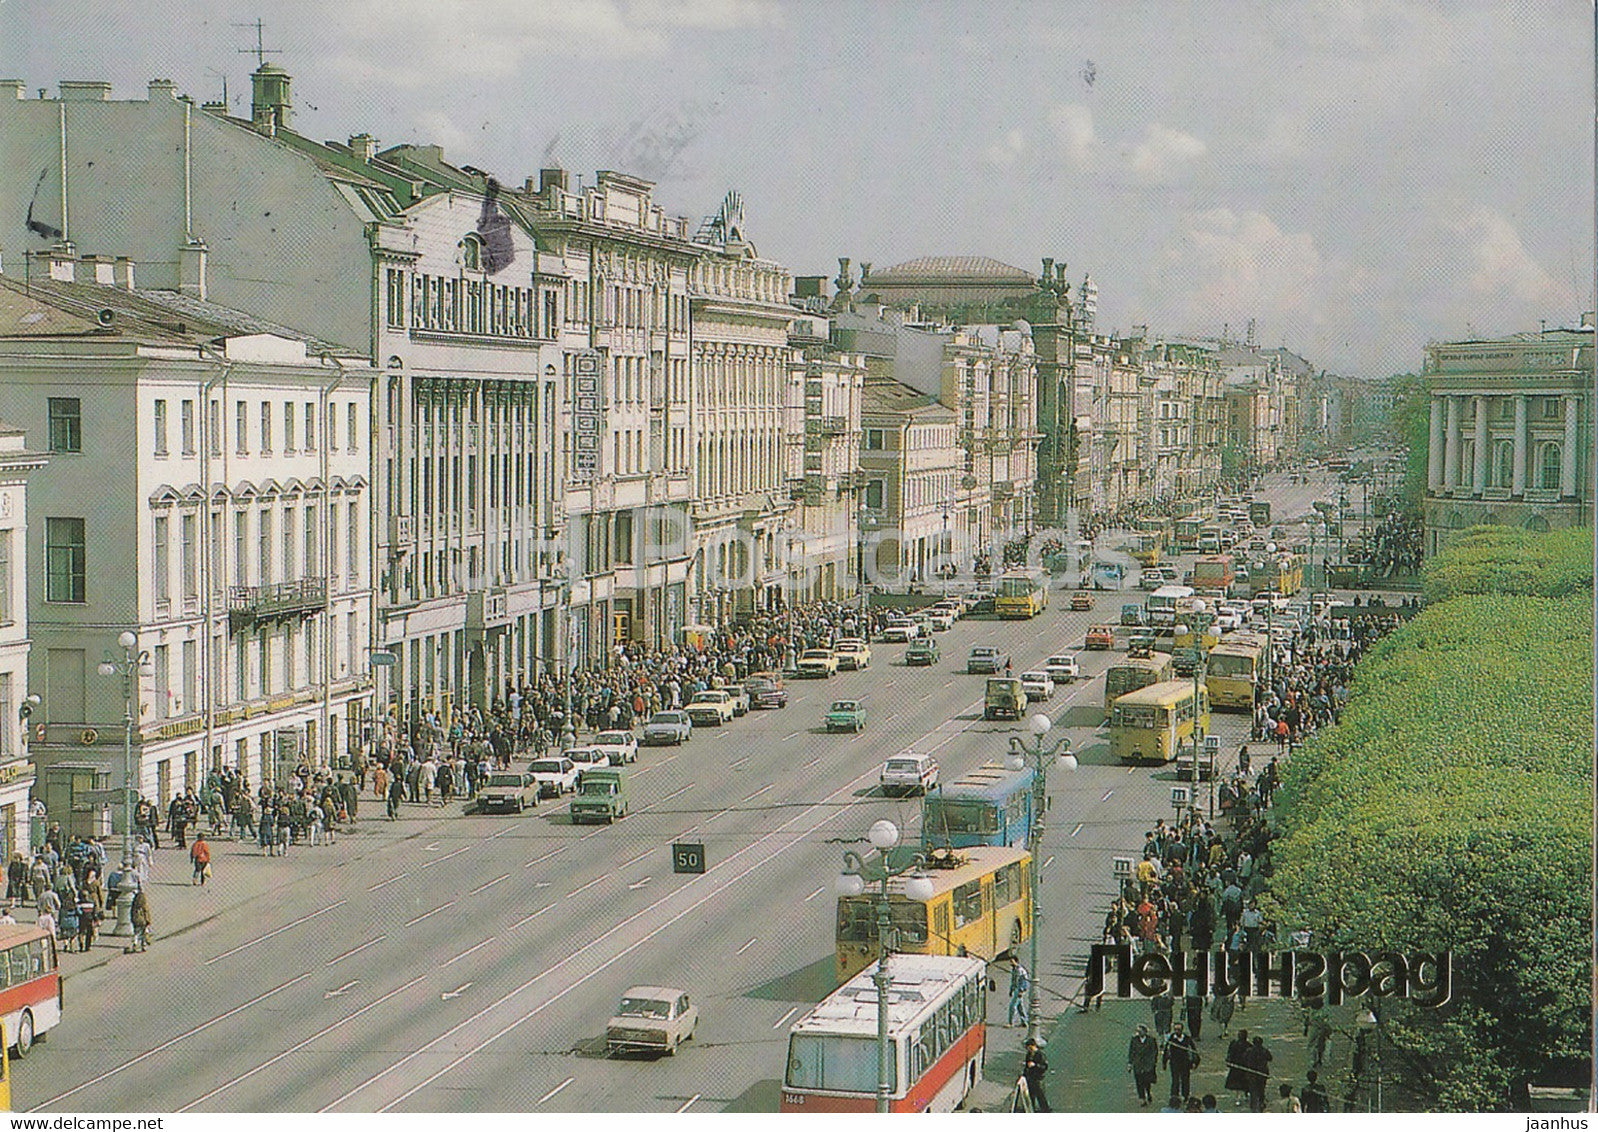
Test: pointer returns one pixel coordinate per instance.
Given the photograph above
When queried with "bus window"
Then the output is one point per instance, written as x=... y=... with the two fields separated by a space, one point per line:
x=967 y=903
x=857 y=920
x=963 y=817
x=18 y=962
x=35 y=958
x=1007 y=885
x=940 y=920
x=909 y=920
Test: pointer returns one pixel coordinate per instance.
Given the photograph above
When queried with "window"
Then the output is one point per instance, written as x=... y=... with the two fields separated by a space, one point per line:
x=288 y=426
x=64 y=561
x=351 y=433
x=396 y=298
x=1550 y=467
x=332 y=428
x=241 y=551
x=5 y=577
x=160 y=427
x=66 y=424
x=472 y=253
x=312 y=559
x=163 y=681
x=874 y=440
x=310 y=425
x=186 y=427
x=354 y=558
x=241 y=429
x=1553 y=410
x=874 y=494
x=191 y=676
x=216 y=428
x=264 y=543
x=7 y=714
x=290 y=544
x=1505 y=462
x=266 y=426
x=163 y=560
x=967 y=903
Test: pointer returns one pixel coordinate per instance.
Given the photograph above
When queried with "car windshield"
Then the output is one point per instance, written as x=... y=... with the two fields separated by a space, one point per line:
x=982 y=651
x=546 y=766
x=512 y=780
x=844 y=705
x=644 y=1008
x=816 y=654
x=667 y=717
x=591 y=786
x=1036 y=677
x=611 y=739
x=903 y=766
x=709 y=697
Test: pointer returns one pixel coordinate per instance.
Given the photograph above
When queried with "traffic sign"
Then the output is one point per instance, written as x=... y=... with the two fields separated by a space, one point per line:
x=688 y=857
x=1179 y=796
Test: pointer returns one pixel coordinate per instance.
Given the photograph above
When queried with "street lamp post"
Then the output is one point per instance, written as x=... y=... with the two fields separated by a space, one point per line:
x=568 y=729
x=129 y=666
x=1038 y=757
x=943 y=559
x=860 y=559
x=1198 y=629
x=879 y=869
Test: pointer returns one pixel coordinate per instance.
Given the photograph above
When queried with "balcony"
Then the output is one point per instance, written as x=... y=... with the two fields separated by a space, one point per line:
x=487 y=610
x=247 y=605
x=834 y=426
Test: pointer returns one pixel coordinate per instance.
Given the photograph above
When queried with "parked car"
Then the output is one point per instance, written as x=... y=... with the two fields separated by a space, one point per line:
x=955 y=605
x=1005 y=698
x=710 y=709
x=507 y=790
x=766 y=690
x=739 y=697
x=1081 y=600
x=586 y=759
x=900 y=630
x=601 y=796
x=555 y=776
x=1063 y=668
x=651 y=1020
x=818 y=663
x=909 y=774
x=1037 y=685
x=922 y=652
x=668 y=728
x=986 y=660
x=853 y=654
x=619 y=745
x=846 y=715
x=1101 y=637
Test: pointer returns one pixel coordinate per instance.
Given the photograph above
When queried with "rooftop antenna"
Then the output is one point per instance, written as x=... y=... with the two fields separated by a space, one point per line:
x=260 y=50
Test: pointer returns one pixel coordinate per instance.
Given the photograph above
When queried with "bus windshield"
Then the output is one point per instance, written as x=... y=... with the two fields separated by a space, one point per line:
x=1220 y=664
x=1139 y=715
x=836 y=1062
x=857 y=919
x=960 y=817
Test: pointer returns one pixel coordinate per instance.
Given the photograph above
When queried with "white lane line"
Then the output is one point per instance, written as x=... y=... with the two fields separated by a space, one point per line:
x=637 y=884
x=545 y=857
x=714 y=816
x=555 y=1090
x=386 y=883
x=777 y=1025
x=373 y=1005
x=170 y=1042
x=434 y=912
x=636 y=859
x=674 y=793
x=356 y=950
x=446 y=856
x=745 y=947
x=490 y=884
x=792 y=734
x=467 y=952
x=276 y=932
x=689 y=1104
x=1107 y=794
x=815 y=894
x=529 y=916
x=812 y=763
x=740 y=762
x=759 y=792
x=1078 y=828
x=586 y=887
x=1049 y=862
x=948 y=683
x=507 y=829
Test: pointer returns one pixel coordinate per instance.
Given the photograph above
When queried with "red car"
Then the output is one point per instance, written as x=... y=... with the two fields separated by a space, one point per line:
x=1081 y=600
x=1101 y=637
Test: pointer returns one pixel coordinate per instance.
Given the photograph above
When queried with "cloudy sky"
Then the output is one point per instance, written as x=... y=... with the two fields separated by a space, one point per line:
x=1359 y=177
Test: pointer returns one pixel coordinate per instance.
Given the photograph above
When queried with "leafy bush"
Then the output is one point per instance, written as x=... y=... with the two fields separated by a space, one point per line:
x=1509 y=560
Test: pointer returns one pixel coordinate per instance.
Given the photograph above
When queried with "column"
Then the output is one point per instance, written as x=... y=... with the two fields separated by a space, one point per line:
x=1451 y=446
x=1478 y=470
x=1519 y=488
x=1567 y=454
x=1434 y=450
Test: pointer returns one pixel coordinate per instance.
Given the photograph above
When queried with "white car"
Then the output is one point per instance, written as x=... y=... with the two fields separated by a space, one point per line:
x=853 y=654
x=1037 y=685
x=1227 y=620
x=909 y=774
x=555 y=776
x=1062 y=669
x=710 y=709
x=621 y=746
x=585 y=759
x=941 y=620
x=900 y=631
x=651 y=1020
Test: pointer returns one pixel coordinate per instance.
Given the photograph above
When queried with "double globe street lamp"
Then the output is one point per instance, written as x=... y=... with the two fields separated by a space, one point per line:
x=1039 y=757
x=879 y=869
x=129 y=666
x=1198 y=628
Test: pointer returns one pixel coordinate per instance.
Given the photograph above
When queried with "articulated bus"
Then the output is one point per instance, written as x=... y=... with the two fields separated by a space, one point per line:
x=990 y=806
x=937 y=1033
x=1148 y=726
x=1133 y=673
x=981 y=904
x=1234 y=670
x=1022 y=593
x=1283 y=574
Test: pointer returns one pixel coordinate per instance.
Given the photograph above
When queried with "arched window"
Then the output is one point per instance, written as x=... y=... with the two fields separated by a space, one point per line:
x=1550 y=465
x=1537 y=523
x=472 y=253
x=1505 y=463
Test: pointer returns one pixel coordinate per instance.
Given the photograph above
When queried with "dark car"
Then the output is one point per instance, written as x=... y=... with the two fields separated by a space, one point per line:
x=766 y=690
x=924 y=651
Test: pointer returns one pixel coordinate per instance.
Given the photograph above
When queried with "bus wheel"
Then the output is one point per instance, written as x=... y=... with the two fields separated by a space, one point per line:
x=24 y=1034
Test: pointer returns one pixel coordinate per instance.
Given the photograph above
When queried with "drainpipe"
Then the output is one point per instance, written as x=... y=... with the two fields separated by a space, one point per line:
x=327 y=548
x=207 y=537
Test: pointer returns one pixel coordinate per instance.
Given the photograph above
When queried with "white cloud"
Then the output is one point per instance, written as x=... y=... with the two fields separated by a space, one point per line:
x=1501 y=268
x=1073 y=125
x=1162 y=151
x=1232 y=266
x=434 y=127
x=1007 y=150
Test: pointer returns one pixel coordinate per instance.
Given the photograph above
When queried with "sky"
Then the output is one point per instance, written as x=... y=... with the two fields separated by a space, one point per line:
x=1359 y=177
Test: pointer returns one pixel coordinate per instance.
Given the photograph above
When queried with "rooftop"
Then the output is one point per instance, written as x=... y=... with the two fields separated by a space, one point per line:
x=951 y=268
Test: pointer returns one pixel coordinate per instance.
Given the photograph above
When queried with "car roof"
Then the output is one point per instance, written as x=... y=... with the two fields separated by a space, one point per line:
x=652 y=992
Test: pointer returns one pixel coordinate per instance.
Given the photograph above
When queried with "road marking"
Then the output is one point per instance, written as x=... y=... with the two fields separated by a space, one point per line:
x=433 y=848
x=467 y=952
x=530 y=916
x=490 y=884
x=587 y=886
x=745 y=947
x=434 y=912
x=170 y=1042
x=815 y=894
x=276 y=932
x=738 y=763
x=1078 y=828
x=777 y=1025
x=948 y=683
x=811 y=763
x=759 y=792
x=456 y=993
x=507 y=829
x=791 y=734
x=386 y=883
x=446 y=856
x=1049 y=862
x=690 y=1103
x=1107 y=794
x=545 y=857
x=341 y=991
x=356 y=950
x=637 y=884
x=636 y=859
x=673 y=794
x=713 y=817
x=555 y=1090
x=373 y=1005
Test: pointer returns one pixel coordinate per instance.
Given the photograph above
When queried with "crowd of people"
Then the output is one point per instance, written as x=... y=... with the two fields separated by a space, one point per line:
x=1395 y=547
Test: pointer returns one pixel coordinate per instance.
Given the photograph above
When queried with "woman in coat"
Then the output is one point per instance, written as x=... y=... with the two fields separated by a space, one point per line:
x=140 y=917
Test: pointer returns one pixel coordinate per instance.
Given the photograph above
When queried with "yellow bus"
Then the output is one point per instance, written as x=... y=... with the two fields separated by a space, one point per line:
x=1133 y=673
x=1147 y=726
x=1234 y=670
x=1145 y=547
x=1283 y=575
x=1022 y=593
x=981 y=904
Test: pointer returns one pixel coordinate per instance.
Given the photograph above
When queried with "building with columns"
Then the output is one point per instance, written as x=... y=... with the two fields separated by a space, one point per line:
x=18 y=774
x=1511 y=433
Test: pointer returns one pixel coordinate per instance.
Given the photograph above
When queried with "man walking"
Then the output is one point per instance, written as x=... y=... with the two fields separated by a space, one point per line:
x=200 y=854
x=1142 y=1059
x=1033 y=1069
x=1019 y=983
x=1181 y=1057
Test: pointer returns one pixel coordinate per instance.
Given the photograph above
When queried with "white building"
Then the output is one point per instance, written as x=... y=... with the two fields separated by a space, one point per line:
x=209 y=488
x=17 y=773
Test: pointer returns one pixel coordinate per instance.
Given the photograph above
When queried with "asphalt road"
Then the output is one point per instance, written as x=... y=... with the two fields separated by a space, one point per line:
x=451 y=962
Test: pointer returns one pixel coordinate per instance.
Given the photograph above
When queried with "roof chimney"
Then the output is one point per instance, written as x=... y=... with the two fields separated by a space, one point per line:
x=60 y=258
x=1589 y=319
x=191 y=268
x=363 y=147
x=85 y=91
x=163 y=90
x=271 y=108
x=122 y=273
x=98 y=268
x=551 y=177
x=10 y=88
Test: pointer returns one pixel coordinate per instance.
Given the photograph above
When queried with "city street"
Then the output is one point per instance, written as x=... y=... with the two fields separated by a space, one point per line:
x=450 y=962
